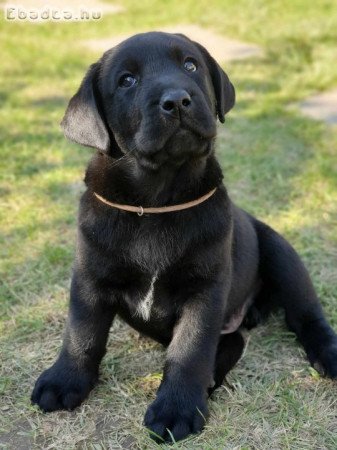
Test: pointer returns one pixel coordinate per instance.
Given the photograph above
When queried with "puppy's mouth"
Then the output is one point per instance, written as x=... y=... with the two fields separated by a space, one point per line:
x=183 y=144
x=205 y=134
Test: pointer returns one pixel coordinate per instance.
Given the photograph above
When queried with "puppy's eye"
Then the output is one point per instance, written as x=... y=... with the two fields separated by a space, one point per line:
x=190 y=65
x=127 y=80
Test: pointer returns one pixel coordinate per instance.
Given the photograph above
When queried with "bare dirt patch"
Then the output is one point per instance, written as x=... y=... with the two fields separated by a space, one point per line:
x=321 y=107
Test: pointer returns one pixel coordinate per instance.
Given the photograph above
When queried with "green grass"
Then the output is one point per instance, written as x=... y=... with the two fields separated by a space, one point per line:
x=278 y=165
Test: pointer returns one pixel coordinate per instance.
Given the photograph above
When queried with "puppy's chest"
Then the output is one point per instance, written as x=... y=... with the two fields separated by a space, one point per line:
x=153 y=249
x=154 y=257
x=143 y=305
x=149 y=299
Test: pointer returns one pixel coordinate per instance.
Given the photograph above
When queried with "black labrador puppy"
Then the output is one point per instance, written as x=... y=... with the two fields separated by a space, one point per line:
x=161 y=244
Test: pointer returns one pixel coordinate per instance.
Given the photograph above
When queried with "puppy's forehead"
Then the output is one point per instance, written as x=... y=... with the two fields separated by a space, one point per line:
x=155 y=44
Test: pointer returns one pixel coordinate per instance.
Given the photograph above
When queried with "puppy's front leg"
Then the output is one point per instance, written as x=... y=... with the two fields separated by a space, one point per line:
x=181 y=403
x=70 y=379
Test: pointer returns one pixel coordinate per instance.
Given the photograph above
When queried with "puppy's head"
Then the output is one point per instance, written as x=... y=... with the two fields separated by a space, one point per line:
x=155 y=95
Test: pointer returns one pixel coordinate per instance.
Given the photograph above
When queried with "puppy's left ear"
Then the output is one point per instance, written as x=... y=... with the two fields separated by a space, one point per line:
x=223 y=88
x=83 y=121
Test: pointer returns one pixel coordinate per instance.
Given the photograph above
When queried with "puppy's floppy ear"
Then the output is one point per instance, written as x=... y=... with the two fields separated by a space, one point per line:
x=223 y=88
x=83 y=121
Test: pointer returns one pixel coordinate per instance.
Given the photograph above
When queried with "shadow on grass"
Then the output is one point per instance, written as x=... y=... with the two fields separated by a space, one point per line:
x=262 y=156
x=27 y=154
x=50 y=102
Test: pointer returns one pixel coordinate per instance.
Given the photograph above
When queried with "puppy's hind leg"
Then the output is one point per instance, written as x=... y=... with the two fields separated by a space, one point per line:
x=290 y=286
x=260 y=309
x=229 y=351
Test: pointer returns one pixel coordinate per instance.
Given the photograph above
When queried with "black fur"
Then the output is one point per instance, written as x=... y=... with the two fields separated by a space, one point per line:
x=210 y=268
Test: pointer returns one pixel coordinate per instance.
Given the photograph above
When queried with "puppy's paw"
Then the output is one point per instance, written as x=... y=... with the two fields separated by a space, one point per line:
x=176 y=414
x=325 y=361
x=62 y=386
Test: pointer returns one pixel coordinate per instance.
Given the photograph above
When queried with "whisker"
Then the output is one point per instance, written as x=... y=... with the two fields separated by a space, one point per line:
x=123 y=158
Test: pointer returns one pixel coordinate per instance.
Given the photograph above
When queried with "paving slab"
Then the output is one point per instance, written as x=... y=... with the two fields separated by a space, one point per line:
x=221 y=48
x=321 y=107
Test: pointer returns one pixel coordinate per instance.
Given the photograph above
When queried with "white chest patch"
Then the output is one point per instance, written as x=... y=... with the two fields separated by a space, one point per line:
x=145 y=305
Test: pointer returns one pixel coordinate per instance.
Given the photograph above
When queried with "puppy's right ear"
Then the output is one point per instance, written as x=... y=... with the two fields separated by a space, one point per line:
x=83 y=121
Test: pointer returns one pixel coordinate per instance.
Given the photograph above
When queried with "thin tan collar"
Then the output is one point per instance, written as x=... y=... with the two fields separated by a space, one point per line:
x=162 y=209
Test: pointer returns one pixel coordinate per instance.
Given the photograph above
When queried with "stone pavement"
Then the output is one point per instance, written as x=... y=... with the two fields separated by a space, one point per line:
x=221 y=48
x=321 y=107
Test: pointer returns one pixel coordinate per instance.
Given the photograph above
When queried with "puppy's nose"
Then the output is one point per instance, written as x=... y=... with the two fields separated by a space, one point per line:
x=174 y=101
